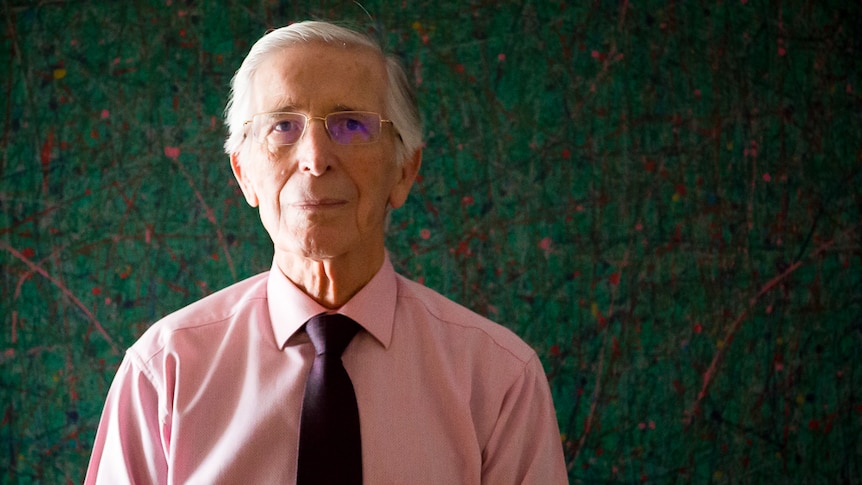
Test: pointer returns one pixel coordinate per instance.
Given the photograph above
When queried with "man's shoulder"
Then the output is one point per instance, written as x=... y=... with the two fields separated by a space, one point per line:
x=215 y=309
x=459 y=319
x=220 y=304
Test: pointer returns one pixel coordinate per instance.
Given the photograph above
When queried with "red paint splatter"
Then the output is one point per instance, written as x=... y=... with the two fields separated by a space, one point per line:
x=45 y=158
x=463 y=249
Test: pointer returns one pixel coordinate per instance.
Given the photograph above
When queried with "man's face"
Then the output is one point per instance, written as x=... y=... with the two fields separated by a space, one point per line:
x=318 y=199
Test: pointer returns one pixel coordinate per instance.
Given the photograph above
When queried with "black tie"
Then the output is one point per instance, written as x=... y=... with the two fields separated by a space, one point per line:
x=330 y=450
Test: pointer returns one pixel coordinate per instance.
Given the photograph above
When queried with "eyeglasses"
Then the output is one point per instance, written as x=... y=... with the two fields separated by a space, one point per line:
x=344 y=127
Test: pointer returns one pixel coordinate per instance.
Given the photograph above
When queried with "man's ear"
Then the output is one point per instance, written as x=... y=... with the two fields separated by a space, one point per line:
x=408 y=171
x=242 y=178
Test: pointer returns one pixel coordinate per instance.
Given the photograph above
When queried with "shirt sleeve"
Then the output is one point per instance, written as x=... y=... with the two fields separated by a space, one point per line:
x=525 y=446
x=129 y=447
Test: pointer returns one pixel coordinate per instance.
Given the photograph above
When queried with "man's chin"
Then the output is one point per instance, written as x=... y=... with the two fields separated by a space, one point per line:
x=317 y=249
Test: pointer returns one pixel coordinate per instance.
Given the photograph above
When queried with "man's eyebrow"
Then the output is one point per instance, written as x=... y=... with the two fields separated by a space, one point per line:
x=283 y=104
x=290 y=107
x=286 y=108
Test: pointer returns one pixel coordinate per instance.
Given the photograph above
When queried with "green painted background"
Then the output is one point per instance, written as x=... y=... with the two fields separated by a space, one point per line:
x=663 y=198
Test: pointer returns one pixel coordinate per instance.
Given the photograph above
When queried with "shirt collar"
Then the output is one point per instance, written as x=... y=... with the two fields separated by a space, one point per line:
x=373 y=307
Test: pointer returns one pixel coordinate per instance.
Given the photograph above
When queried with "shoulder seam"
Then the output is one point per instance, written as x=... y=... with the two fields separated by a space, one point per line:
x=146 y=360
x=522 y=359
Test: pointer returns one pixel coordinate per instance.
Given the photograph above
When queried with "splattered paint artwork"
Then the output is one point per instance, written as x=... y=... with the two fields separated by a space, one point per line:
x=663 y=199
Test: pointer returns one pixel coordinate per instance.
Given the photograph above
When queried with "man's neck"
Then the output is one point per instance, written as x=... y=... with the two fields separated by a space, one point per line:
x=330 y=282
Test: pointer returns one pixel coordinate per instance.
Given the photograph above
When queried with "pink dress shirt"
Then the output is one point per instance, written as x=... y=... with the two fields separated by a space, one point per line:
x=212 y=393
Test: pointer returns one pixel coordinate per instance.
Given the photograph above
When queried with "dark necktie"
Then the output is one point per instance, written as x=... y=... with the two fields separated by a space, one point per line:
x=330 y=451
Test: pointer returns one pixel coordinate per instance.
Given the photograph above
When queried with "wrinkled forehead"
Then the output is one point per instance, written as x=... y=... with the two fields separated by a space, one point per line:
x=318 y=77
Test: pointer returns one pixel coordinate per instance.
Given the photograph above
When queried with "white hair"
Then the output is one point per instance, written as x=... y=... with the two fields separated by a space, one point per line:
x=400 y=102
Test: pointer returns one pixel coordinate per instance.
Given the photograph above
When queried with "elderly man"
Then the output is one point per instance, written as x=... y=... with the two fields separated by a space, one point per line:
x=253 y=384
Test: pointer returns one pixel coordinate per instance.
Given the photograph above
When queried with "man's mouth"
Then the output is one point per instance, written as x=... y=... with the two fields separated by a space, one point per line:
x=326 y=203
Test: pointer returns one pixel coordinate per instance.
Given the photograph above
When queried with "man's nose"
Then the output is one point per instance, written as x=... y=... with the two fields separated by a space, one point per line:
x=313 y=150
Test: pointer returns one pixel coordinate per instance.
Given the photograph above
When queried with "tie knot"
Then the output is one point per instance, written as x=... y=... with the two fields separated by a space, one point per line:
x=330 y=333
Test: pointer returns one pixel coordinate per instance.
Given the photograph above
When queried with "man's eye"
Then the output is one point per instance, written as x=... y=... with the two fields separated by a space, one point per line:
x=354 y=125
x=344 y=126
x=285 y=126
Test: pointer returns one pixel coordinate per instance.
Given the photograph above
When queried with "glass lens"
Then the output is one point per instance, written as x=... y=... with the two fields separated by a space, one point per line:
x=353 y=127
x=279 y=128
